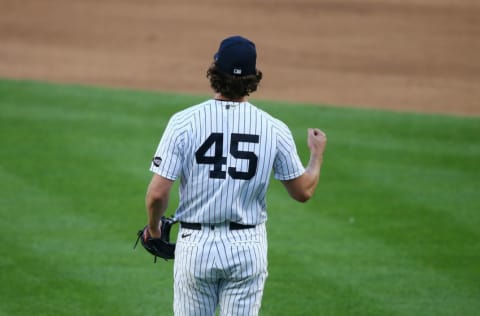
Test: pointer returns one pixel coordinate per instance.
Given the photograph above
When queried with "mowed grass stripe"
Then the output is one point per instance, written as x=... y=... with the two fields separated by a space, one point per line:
x=73 y=200
x=391 y=230
x=420 y=203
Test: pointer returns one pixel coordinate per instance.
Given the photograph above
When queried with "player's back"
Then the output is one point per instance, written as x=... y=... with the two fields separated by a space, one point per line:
x=229 y=151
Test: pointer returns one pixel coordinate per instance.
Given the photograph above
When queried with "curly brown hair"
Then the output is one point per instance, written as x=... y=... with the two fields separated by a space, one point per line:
x=231 y=86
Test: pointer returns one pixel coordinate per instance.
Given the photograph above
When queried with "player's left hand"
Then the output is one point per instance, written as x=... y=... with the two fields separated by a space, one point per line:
x=153 y=233
x=158 y=246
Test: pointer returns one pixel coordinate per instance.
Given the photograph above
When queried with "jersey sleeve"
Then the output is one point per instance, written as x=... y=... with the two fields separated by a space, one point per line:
x=169 y=156
x=287 y=164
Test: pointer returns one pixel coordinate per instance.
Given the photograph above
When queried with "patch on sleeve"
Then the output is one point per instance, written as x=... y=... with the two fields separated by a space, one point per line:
x=156 y=161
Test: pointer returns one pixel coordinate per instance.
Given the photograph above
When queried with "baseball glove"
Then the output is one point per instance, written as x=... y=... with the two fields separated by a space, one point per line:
x=158 y=247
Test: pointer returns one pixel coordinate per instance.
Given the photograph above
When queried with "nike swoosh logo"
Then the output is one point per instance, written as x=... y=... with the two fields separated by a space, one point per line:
x=185 y=235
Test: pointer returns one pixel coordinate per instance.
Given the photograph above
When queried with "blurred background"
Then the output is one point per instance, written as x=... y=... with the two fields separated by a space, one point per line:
x=87 y=87
x=400 y=54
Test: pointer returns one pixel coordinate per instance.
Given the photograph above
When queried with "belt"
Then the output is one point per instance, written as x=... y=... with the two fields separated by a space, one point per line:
x=198 y=226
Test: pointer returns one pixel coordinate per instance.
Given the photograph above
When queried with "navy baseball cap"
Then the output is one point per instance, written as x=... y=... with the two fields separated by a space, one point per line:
x=236 y=56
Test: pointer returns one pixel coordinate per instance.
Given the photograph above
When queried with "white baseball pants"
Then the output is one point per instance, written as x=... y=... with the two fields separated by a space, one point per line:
x=216 y=266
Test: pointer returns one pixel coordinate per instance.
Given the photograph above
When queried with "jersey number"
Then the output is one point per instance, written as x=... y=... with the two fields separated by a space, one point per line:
x=216 y=139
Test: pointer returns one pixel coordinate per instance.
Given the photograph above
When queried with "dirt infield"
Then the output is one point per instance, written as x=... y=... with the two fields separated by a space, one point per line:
x=420 y=55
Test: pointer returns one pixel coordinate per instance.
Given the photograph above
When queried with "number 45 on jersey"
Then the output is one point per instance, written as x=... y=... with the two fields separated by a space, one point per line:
x=216 y=140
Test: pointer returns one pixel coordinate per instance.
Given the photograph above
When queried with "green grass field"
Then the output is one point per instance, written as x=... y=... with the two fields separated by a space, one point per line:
x=394 y=228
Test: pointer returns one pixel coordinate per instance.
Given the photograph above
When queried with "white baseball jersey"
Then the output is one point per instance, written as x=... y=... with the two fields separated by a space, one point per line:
x=224 y=153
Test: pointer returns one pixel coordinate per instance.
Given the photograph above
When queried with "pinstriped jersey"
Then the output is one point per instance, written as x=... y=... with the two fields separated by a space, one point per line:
x=224 y=153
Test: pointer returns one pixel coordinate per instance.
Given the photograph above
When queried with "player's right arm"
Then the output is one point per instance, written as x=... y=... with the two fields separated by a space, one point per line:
x=303 y=187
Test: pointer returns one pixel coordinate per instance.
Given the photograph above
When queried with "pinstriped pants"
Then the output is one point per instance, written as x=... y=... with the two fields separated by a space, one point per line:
x=220 y=267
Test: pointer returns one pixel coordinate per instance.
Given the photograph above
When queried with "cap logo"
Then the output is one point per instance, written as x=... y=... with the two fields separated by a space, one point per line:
x=237 y=56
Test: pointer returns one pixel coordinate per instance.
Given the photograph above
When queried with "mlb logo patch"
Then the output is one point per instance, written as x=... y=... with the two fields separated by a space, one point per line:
x=237 y=71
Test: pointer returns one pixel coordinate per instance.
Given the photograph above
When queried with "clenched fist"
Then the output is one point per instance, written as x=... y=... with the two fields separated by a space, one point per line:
x=317 y=140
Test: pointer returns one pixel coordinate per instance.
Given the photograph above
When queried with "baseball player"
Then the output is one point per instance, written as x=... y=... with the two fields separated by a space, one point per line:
x=223 y=152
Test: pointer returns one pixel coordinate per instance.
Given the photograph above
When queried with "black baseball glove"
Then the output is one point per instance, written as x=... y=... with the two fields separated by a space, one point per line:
x=158 y=247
